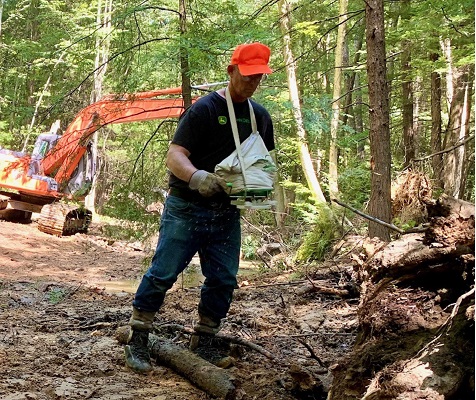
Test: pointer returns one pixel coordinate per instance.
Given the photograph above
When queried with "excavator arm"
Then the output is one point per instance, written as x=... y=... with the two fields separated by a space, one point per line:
x=62 y=160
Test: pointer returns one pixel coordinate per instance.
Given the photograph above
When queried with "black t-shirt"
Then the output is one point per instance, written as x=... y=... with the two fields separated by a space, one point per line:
x=205 y=131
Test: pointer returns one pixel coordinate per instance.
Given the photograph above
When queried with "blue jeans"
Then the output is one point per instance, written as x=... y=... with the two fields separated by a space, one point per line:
x=185 y=229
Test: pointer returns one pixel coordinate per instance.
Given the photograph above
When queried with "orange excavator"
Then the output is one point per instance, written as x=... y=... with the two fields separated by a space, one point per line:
x=63 y=166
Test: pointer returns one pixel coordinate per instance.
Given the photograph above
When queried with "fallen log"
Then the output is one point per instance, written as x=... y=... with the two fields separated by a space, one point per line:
x=446 y=205
x=215 y=381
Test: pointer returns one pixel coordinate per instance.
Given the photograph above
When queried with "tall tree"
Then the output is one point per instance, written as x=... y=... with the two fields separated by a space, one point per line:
x=184 y=65
x=435 y=141
x=380 y=162
x=304 y=154
x=457 y=131
x=103 y=39
x=339 y=56
x=409 y=139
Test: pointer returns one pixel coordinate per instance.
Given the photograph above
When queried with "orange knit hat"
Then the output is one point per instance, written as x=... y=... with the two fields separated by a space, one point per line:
x=252 y=59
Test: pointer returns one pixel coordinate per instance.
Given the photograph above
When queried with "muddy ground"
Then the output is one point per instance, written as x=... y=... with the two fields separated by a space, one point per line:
x=62 y=299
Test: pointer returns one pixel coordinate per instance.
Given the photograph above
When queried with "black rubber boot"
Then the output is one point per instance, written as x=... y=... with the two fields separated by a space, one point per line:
x=137 y=352
x=212 y=349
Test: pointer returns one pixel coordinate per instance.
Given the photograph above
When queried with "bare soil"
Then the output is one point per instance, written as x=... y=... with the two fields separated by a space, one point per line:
x=62 y=300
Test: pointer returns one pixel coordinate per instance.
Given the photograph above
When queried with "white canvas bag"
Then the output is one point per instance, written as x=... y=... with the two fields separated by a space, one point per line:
x=250 y=167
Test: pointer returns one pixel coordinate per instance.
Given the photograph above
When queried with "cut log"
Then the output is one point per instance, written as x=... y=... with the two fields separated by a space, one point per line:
x=215 y=381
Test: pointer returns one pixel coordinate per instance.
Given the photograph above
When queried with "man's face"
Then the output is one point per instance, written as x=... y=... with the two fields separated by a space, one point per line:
x=243 y=87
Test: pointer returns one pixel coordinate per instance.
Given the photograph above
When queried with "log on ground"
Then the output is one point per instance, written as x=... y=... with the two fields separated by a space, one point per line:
x=215 y=381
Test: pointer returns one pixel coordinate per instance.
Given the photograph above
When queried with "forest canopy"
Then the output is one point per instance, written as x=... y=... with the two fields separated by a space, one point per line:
x=59 y=56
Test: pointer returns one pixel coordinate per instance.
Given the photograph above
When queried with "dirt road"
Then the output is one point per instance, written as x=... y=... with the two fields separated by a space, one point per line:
x=60 y=309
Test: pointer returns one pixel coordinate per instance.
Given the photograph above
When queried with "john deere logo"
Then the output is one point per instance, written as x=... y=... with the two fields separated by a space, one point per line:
x=222 y=120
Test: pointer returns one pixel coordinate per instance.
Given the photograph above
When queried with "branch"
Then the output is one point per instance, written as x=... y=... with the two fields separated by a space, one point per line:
x=228 y=338
x=379 y=221
x=470 y=137
x=311 y=350
x=447 y=324
x=369 y=217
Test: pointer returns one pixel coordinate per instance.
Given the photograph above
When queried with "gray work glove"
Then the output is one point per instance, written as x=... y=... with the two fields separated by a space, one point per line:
x=206 y=183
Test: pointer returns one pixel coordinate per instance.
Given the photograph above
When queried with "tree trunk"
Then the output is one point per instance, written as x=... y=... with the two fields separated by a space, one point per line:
x=184 y=66
x=279 y=196
x=468 y=161
x=407 y=95
x=457 y=131
x=435 y=142
x=352 y=83
x=446 y=49
x=333 y=151
x=359 y=117
x=380 y=162
x=1 y=15
x=304 y=154
x=103 y=23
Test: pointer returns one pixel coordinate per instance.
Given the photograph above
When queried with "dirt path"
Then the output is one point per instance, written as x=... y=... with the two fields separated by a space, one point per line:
x=60 y=315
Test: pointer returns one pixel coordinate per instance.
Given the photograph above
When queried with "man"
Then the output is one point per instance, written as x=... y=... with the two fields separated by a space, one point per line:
x=198 y=216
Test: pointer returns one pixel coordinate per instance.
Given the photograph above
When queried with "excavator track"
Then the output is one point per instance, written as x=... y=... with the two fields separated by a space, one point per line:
x=63 y=219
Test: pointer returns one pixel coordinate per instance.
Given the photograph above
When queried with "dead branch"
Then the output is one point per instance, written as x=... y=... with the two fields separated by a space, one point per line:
x=447 y=325
x=378 y=221
x=447 y=150
x=311 y=350
x=313 y=287
x=293 y=283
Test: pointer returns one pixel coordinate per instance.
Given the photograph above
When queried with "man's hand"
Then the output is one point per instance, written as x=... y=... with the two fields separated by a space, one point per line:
x=206 y=183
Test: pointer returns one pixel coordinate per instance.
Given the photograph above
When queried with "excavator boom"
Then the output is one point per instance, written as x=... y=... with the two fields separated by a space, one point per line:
x=64 y=157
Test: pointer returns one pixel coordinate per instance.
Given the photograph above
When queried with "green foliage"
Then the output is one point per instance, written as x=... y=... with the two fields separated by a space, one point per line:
x=135 y=165
x=141 y=228
x=55 y=295
x=249 y=246
x=354 y=184
x=49 y=47
x=322 y=234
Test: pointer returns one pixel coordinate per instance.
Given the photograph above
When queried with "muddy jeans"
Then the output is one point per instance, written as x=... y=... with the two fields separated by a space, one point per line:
x=185 y=229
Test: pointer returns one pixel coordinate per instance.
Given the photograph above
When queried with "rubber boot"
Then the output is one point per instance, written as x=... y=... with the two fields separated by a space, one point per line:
x=204 y=343
x=136 y=350
x=137 y=353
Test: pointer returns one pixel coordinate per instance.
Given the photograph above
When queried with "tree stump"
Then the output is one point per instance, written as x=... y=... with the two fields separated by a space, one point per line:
x=416 y=315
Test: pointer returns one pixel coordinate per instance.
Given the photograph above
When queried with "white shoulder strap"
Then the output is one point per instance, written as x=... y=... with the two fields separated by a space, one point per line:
x=234 y=128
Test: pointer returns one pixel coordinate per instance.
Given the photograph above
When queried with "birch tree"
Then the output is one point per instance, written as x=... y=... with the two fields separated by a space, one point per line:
x=103 y=22
x=333 y=151
x=304 y=155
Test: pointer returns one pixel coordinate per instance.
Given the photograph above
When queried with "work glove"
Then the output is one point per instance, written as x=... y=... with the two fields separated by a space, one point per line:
x=206 y=183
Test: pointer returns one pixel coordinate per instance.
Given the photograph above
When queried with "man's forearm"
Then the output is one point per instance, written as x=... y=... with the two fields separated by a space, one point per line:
x=179 y=164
